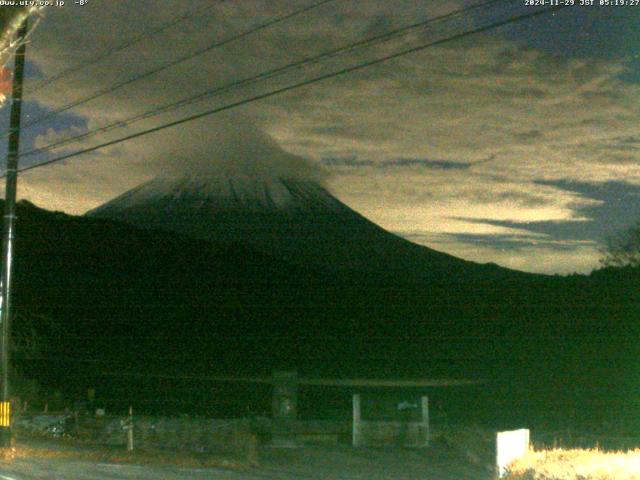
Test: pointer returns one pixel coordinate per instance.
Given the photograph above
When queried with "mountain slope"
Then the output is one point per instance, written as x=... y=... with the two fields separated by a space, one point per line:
x=298 y=221
x=123 y=298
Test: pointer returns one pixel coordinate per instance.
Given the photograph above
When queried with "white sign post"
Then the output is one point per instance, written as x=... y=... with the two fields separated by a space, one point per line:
x=510 y=446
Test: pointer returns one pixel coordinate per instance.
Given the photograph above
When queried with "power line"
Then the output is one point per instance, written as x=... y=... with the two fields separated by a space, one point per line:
x=308 y=336
x=327 y=382
x=173 y=63
x=118 y=48
x=262 y=76
x=195 y=357
x=303 y=83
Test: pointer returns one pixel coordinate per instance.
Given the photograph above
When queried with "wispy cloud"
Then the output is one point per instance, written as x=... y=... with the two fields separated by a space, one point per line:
x=399 y=163
x=473 y=141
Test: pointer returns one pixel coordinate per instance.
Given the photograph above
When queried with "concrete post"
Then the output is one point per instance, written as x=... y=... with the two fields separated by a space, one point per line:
x=356 y=421
x=130 y=430
x=425 y=419
x=285 y=395
x=285 y=408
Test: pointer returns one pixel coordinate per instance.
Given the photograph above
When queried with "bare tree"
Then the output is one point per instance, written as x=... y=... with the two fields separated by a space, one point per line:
x=623 y=250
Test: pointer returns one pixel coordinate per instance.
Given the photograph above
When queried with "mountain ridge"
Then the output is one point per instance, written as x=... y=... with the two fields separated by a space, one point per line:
x=297 y=220
x=131 y=299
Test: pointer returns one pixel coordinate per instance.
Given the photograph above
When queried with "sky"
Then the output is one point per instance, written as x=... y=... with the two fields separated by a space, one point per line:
x=517 y=146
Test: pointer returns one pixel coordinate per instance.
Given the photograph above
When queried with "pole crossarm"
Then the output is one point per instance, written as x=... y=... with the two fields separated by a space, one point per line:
x=392 y=383
x=323 y=382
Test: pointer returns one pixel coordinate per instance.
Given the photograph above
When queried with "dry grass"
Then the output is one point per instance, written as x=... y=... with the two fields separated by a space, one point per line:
x=138 y=457
x=594 y=464
x=74 y=450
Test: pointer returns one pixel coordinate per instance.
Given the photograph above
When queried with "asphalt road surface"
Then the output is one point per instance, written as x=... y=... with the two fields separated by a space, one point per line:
x=54 y=469
x=307 y=463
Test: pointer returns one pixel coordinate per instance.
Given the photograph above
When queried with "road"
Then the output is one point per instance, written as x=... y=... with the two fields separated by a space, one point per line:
x=61 y=469
x=319 y=463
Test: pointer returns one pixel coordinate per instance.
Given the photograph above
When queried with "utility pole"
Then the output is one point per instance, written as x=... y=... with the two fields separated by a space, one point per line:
x=8 y=238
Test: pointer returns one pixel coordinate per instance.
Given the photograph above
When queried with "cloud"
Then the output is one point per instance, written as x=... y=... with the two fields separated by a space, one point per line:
x=229 y=145
x=529 y=254
x=398 y=163
x=451 y=141
x=226 y=145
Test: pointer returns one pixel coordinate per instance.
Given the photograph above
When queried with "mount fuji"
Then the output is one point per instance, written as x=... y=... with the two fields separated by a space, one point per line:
x=303 y=283
x=293 y=219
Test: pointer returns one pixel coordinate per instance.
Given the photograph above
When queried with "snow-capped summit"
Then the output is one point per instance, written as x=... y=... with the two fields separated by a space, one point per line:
x=294 y=219
x=223 y=192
